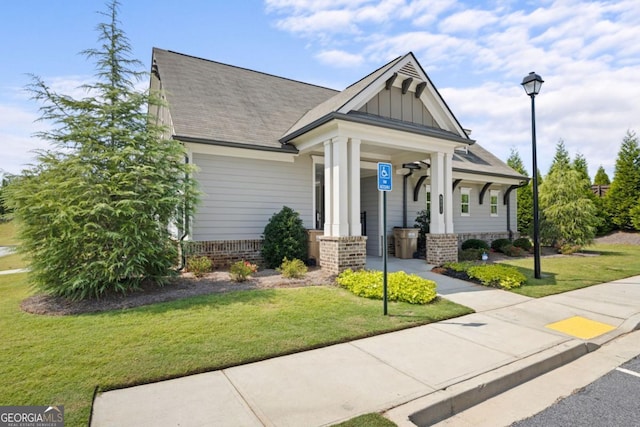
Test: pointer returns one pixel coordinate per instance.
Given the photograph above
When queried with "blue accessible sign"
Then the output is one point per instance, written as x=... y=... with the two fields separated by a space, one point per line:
x=384 y=177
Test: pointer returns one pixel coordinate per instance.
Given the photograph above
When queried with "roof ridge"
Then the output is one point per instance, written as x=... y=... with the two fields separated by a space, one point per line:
x=376 y=70
x=245 y=69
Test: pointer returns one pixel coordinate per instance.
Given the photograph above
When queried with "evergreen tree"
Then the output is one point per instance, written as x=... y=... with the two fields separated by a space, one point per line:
x=568 y=216
x=95 y=211
x=580 y=165
x=623 y=193
x=524 y=195
x=601 y=177
x=561 y=159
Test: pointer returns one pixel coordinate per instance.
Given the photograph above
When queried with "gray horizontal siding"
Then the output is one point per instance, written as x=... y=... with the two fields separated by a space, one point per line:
x=240 y=195
x=480 y=219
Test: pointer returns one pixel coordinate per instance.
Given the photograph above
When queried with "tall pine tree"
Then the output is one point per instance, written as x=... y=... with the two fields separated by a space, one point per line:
x=601 y=177
x=95 y=211
x=623 y=193
x=580 y=165
x=524 y=195
x=561 y=159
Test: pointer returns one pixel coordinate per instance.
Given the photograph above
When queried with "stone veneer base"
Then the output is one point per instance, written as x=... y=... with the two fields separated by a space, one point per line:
x=441 y=248
x=341 y=253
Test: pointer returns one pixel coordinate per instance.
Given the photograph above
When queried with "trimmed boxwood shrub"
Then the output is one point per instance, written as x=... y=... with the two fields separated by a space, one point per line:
x=470 y=254
x=401 y=286
x=292 y=269
x=498 y=244
x=523 y=243
x=284 y=237
x=474 y=244
x=497 y=275
x=513 y=251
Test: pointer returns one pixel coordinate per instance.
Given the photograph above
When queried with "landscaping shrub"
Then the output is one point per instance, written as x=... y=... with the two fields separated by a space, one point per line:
x=459 y=266
x=284 y=237
x=474 y=244
x=292 y=269
x=524 y=243
x=568 y=249
x=241 y=270
x=400 y=286
x=470 y=254
x=199 y=265
x=498 y=244
x=513 y=251
x=497 y=275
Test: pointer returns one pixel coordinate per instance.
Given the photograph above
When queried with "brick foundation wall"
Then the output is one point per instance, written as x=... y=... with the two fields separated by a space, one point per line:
x=223 y=253
x=340 y=253
x=487 y=237
x=441 y=248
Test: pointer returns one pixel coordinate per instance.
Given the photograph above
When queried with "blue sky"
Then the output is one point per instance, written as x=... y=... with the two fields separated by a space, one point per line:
x=475 y=52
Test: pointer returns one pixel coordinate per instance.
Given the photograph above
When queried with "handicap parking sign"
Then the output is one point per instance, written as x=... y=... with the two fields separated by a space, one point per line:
x=384 y=177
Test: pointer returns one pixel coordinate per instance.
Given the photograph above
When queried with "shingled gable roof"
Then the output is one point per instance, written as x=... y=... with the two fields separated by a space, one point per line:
x=344 y=104
x=334 y=103
x=220 y=104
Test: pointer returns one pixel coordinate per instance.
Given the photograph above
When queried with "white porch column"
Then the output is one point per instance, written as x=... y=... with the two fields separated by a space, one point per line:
x=448 y=193
x=328 y=188
x=340 y=187
x=355 y=229
x=438 y=198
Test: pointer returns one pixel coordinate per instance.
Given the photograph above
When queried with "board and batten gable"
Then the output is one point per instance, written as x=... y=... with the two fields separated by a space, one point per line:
x=239 y=195
x=393 y=104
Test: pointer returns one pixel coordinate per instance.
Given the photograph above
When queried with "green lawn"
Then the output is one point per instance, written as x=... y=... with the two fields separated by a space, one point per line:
x=562 y=274
x=60 y=360
x=367 y=420
x=12 y=262
x=8 y=234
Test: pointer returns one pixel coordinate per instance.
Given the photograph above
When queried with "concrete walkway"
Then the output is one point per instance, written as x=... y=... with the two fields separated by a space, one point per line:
x=423 y=374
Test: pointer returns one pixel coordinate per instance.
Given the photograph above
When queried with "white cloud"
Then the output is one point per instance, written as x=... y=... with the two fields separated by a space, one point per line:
x=19 y=122
x=17 y=126
x=467 y=21
x=586 y=51
x=339 y=59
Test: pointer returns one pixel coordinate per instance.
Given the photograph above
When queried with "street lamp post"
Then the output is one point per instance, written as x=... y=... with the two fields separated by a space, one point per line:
x=532 y=84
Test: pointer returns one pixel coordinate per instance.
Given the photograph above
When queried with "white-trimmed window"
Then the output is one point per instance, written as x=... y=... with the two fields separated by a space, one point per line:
x=494 y=196
x=465 y=201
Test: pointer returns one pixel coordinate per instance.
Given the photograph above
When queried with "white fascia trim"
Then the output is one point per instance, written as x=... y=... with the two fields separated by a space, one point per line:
x=481 y=178
x=363 y=163
x=376 y=86
x=244 y=153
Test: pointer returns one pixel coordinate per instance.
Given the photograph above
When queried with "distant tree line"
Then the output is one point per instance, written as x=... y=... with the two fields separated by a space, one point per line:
x=571 y=214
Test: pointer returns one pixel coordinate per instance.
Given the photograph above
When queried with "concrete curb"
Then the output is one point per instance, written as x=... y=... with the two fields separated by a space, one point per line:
x=445 y=403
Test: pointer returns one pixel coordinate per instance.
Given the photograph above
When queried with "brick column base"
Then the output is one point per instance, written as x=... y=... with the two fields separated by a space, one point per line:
x=441 y=248
x=341 y=253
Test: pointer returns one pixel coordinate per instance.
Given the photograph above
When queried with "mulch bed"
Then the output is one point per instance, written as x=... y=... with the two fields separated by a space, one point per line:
x=186 y=285
x=183 y=286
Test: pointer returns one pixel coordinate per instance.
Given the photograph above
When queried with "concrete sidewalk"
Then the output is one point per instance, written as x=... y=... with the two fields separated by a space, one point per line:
x=423 y=374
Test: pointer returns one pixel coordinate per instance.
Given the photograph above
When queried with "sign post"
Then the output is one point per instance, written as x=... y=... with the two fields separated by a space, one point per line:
x=384 y=185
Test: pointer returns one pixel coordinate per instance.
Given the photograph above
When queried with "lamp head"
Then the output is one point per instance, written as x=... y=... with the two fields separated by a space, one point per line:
x=532 y=84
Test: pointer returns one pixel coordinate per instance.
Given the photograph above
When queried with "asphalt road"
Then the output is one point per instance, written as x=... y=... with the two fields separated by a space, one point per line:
x=612 y=400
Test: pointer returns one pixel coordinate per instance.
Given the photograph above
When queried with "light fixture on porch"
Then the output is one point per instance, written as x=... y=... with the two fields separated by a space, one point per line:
x=532 y=84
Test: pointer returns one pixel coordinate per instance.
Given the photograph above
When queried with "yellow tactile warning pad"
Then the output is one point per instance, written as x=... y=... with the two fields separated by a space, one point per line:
x=581 y=327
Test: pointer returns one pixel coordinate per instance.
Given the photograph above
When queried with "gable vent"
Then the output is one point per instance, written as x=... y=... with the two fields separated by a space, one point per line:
x=409 y=70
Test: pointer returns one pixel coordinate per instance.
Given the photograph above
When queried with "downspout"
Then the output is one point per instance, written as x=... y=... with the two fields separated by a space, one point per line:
x=185 y=226
x=507 y=200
